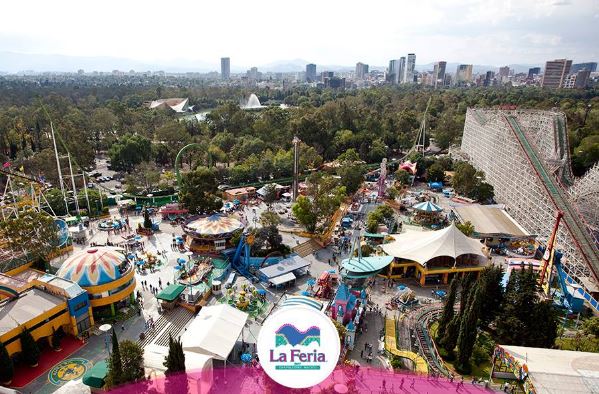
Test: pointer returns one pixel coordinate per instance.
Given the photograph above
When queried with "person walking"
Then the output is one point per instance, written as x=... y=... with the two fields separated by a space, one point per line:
x=412 y=384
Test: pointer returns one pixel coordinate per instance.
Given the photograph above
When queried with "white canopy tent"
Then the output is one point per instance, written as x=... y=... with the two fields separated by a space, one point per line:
x=214 y=331
x=422 y=246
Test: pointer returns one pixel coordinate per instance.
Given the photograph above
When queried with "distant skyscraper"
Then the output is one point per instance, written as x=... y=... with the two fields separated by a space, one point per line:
x=489 y=78
x=409 y=70
x=504 y=71
x=225 y=68
x=591 y=66
x=555 y=73
x=463 y=74
x=401 y=69
x=533 y=71
x=439 y=74
x=578 y=80
x=396 y=70
x=310 y=72
x=361 y=70
x=253 y=74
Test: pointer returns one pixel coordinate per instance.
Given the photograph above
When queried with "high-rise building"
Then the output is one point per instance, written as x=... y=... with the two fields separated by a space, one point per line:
x=463 y=74
x=396 y=70
x=533 y=71
x=591 y=66
x=361 y=70
x=578 y=80
x=489 y=78
x=326 y=74
x=504 y=71
x=408 y=76
x=310 y=72
x=439 y=74
x=225 y=68
x=253 y=74
x=555 y=73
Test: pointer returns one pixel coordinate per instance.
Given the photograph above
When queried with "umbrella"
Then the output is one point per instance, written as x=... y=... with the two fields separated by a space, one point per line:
x=131 y=256
x=105 y=327
x=332 y=272
x=428 y=206
x=177 y=267
x=246 y=358
x=189 y=253
x=311 y=282
x=137 y=238
x=401 y=287
x=236 y=202
x=180 y=241
x=305 y=293
x=181 y=260
x=261 y=291
x=178 y=237
x=441 y=293
x=140 y=262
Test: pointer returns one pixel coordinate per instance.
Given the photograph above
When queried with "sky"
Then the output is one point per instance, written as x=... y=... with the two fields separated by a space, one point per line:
x=333 y=32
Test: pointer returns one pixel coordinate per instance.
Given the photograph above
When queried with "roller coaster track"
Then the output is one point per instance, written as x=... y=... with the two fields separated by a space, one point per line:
x=573 y=221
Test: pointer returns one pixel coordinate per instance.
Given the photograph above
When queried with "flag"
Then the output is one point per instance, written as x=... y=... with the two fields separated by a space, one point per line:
x=6 y=165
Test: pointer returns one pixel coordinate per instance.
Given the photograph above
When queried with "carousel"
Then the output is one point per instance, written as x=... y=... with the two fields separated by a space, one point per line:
x=211 y=234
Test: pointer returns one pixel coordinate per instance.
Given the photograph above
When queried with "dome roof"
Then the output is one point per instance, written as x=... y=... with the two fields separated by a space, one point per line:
x=214 y=225
x=92 y=267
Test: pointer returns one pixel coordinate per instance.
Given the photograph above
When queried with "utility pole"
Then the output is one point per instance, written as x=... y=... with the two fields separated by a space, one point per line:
x=296 y=141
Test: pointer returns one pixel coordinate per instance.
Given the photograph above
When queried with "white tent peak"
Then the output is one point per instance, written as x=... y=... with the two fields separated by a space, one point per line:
x=422 y=246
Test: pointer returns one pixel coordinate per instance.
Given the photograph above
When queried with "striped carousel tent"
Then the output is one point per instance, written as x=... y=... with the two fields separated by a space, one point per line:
x=213 y=226
x=428 y=206
x=92 y=267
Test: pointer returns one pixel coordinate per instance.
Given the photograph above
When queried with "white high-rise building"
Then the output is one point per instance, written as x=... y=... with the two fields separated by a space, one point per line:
x=409 y=69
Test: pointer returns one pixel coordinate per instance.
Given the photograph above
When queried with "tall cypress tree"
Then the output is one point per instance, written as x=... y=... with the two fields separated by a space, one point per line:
x=176 y=378
x=29 y=348
x=452 y=330
x=468 y=327
x=448 y=309
x=115 y=366
x=490 y=304
x=7 y=370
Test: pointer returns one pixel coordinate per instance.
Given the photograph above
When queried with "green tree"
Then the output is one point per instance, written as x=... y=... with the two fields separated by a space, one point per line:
x=484 y=192
x=466 y=228
x=269 y=218
x=448 y=308
x=270 y=195
x=174 y=136
x=392 y=192
x=435 y=173
x=34 y=229
x=147 y=220
x=268 y=235
x=591 y=326
x=468 y=328
x=305 y=213
x=144 y=178
x=402 y=176
x=129 y=151
x=352 y=176
x=132 y=358
x=491 y=278
x=199 y=190
x=29 y=348
x=115 y=366
x=8 y=370
x=176 y=378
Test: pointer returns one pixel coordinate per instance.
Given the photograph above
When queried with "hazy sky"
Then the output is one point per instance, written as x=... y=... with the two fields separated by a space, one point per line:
x=257 y=32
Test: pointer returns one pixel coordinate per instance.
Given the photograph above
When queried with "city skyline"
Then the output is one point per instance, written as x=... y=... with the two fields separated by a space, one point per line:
x=526 y=32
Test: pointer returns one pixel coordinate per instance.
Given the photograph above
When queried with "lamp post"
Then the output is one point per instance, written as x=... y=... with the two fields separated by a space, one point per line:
x=296 y=141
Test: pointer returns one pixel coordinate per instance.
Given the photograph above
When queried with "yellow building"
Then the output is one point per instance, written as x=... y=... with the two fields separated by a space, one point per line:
x=434 y=257
x=105 y=274
x=41 y=303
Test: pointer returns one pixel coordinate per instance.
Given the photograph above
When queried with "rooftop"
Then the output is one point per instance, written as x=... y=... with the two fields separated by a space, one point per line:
x=26 y=307
x=559 y=371
x=490 y=220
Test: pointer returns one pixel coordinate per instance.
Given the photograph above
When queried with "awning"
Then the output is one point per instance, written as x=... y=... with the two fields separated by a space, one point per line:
x=366 y=264
x=171 y=292
x=289 y=264
x=372 y=235
x=279 y=280
x=214 y=331
x=95 y=376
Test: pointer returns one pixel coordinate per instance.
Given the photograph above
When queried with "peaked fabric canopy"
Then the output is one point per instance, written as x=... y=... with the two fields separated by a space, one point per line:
x=422 y=246
x=428 y=206
x=214 y=331
x=366 y=264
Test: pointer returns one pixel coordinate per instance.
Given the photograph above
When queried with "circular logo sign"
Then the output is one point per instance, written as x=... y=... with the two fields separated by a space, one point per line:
x=70 y=369
x=298 y=347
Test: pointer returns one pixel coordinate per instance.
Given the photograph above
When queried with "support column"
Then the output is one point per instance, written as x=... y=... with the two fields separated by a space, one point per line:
x=112 y=309
x=445 y=278
x=422 y=279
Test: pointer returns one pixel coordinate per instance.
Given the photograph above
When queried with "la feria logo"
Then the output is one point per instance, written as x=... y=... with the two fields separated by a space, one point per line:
x=298 y=346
